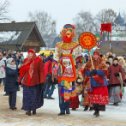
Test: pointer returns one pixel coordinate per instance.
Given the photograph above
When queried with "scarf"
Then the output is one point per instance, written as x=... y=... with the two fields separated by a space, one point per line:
x=27 y=67
x=9 y=65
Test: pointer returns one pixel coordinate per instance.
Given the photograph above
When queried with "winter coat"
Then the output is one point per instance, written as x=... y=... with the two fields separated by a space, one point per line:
x=113 y=72
x=11 y=84
x=32 y=74
x=2 y=69
x=47 y=69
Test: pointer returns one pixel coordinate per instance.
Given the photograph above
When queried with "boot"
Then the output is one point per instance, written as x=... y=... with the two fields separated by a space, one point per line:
x=97 y=113
x=28 y=113
x=34 y=112
x=68 y=112
x=116 y=104
x=91 y=108
x=86 y=108
x=74 y=109
x=13 y=108
x=61 y=114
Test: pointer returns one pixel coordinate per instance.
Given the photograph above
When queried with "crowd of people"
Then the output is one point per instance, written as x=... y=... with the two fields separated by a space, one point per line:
x=13 y=73
x=99 y=79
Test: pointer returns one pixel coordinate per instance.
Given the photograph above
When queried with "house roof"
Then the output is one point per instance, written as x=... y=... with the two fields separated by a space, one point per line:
x=18 y=32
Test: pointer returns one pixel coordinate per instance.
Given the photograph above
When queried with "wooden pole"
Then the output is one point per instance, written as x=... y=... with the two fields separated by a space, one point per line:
x=91 y=61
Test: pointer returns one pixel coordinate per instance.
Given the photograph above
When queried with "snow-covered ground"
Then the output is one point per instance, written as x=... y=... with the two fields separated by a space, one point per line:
x=47 y=115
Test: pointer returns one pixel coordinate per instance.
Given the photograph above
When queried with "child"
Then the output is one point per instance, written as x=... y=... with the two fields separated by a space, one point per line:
x=74 y=100
x=11 y=85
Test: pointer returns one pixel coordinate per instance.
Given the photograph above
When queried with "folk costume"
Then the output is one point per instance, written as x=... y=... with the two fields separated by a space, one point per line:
x=97 y=76
x=114 y=82
x=66 y=53
x=32 y=79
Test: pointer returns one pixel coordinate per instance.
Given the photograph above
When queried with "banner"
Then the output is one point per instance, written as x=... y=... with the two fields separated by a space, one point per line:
x=106 y=27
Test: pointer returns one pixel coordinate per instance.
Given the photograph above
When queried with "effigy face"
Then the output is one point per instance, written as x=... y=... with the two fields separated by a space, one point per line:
x=67 y=34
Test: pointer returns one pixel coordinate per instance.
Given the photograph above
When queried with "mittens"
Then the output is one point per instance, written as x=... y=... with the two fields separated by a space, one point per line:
x=116 y=74
x=93 y=72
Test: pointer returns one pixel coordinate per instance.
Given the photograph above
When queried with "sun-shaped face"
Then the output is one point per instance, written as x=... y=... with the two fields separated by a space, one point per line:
x=87 y=40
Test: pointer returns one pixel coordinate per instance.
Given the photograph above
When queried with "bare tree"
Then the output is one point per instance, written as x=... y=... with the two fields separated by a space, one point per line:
x=3 y=9
x=46 y=25
x=106 y=15
x=84 y=22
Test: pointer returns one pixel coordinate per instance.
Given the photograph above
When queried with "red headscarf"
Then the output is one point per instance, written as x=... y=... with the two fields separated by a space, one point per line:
x=30 y=59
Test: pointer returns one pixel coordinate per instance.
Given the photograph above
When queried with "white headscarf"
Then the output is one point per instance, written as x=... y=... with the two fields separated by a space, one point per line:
x=9 y=61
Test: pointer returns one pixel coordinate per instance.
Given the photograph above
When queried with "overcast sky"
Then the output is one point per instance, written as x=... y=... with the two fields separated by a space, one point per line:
x=63 y=11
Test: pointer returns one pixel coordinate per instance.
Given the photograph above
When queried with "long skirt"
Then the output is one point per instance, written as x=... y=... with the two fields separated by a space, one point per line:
x=99 y=95
x=99 y=98
x=32 y=97
x=74 y=102
x=114 y=94
x=86 y=101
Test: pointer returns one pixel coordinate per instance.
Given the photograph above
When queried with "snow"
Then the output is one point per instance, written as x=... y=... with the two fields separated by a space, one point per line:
x=9 y=35
x=47 y=115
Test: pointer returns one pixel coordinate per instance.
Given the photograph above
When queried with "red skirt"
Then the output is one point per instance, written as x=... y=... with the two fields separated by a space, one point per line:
x=99 y=95
x=74 y=102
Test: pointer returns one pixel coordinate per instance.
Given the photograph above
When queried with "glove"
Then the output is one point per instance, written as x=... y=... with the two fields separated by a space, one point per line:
x=116 y=74
x=93 y=72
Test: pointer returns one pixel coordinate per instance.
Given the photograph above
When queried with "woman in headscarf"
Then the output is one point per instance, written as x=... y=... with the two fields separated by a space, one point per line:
x=11 y=85
x=32 y=79
x=97 y=76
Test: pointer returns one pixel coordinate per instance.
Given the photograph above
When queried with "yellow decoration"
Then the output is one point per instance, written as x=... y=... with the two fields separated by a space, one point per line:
x=67 y=85
x=67 y=46
x=67 y=96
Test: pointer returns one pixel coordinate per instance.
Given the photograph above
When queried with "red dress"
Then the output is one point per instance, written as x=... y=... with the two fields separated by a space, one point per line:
x=74 y=102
